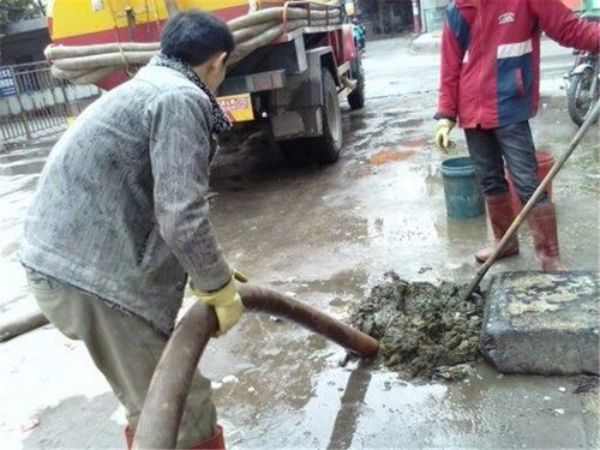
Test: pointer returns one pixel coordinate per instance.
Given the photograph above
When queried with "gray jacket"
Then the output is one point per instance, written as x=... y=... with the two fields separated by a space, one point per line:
x=121 y=209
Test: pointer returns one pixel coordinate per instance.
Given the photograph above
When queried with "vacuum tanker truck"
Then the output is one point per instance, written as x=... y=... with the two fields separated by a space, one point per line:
x=293 y=64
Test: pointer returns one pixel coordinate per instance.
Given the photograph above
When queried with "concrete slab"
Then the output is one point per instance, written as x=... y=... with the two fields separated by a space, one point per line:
x=543 y=323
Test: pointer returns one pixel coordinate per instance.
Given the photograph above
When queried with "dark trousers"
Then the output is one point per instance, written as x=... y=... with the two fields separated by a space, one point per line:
x=513 y=145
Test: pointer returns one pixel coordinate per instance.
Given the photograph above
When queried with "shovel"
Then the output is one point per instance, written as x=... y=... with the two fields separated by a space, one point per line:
x=591 y=119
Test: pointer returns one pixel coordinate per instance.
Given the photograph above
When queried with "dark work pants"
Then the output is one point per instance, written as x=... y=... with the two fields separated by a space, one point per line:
x=513 y=144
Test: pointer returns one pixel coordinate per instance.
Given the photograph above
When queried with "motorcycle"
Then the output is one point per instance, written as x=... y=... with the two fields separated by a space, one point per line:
x=359 y=36
x=583 y=85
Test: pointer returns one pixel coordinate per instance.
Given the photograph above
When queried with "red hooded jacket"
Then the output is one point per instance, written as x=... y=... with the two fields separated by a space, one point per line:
x=490 y=73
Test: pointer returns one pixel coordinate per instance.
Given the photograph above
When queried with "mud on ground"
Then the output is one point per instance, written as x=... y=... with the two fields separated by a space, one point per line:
x=425 y=330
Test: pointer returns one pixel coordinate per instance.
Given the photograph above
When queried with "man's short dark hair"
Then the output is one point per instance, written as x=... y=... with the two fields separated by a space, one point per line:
x=194 y=37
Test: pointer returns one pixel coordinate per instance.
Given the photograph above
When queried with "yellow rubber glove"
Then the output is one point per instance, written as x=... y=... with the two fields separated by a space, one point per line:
x=226 y=302
x=442 y=134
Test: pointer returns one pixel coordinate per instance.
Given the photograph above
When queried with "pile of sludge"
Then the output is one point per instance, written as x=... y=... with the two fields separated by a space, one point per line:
x=424 y=330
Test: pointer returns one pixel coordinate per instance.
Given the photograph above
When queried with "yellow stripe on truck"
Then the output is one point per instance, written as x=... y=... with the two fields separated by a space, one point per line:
x=210 y=5
x=77 y=17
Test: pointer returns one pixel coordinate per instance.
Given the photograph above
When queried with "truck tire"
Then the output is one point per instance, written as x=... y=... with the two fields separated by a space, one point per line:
x=324 y=149
x=329 y=145
x=356 y=98
x=580 y=102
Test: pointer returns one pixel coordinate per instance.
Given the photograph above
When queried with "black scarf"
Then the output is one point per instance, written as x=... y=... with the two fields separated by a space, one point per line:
x=220 y=122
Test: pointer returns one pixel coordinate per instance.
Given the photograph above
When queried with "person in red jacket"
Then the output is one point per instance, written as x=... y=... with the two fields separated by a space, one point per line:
x=490 y=77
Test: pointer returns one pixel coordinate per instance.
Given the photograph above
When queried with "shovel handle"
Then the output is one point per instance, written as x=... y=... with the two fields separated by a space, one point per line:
x=591 y=119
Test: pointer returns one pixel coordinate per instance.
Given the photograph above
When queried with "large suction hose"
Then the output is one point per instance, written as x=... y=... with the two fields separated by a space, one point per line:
x=159 y=423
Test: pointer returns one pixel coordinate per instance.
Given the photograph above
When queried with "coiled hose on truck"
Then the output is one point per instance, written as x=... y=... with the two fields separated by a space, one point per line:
x=91 y=63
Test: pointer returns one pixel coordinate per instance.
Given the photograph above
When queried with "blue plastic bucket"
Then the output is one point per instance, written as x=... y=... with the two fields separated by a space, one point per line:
x=462 y=192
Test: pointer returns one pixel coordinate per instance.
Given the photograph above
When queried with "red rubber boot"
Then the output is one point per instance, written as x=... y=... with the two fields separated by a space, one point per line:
x=129 y=435
x=216 y=442
x=501 y=213
x=542 y=221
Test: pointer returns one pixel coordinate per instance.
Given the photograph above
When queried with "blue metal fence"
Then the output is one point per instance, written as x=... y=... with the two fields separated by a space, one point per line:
x=34 y=104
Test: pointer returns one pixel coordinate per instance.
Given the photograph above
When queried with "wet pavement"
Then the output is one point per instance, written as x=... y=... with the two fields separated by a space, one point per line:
x=326 y=235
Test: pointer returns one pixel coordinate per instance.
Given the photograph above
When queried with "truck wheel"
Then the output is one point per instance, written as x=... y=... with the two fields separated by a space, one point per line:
x=324 y=149
x=329 y=145
x=356 y=98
